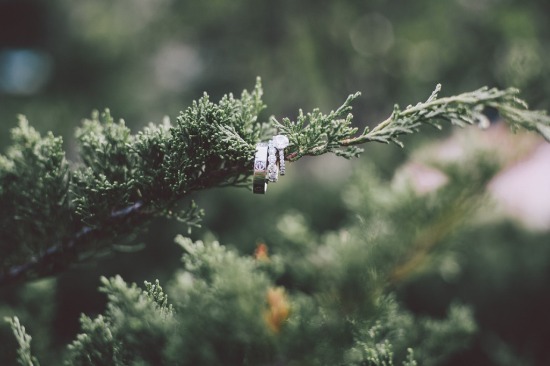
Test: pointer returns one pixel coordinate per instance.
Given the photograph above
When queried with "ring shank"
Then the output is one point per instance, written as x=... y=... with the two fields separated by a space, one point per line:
x=259 y=181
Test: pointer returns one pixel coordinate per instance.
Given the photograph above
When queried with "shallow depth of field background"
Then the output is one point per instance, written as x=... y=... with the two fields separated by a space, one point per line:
x=146 y=59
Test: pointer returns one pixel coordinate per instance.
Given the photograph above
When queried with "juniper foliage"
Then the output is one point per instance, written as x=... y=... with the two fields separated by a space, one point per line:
x=316 y=300
x=24 y=356
x=125 y=180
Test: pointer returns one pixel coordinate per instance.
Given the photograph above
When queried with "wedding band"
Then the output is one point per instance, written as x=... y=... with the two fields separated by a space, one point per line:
x=259 y=180
x=272 y=168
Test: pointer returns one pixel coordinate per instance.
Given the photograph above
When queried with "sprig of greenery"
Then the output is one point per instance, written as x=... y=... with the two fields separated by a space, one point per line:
x=317 y=133
x=156 y=293
x=24 y=356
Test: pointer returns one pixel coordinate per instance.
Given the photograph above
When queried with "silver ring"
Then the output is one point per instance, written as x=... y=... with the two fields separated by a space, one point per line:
x=272 y=168
x=259 y=180
x=280 y=142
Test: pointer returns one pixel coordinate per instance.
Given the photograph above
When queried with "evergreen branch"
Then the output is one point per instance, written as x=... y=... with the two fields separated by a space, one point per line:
x=53 y=216
x=58 y=257
x=316 y=134
x=124 y=181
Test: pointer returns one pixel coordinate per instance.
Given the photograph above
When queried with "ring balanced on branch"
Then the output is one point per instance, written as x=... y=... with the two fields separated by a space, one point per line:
x=125 y=179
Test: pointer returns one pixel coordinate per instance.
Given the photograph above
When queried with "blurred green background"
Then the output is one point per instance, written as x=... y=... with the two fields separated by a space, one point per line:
x=145 y=59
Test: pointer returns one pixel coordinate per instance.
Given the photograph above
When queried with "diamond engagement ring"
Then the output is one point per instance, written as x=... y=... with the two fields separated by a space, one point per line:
x=259 y=181
x=280 y=142
x=272 y=168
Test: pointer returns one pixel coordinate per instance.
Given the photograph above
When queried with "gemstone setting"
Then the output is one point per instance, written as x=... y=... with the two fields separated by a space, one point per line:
x=281 y=142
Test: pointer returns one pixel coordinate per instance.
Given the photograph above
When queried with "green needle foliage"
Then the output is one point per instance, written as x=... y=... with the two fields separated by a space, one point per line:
x=323 y=301
x=54 y=216
x=24 y=356
x=317 y=300
x=316 y=133
x=124 y=180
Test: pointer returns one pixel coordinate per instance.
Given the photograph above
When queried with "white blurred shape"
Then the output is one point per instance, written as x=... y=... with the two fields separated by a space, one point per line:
x=175 y=66
x=372 y=35
x=523 y=190
x=422 y=178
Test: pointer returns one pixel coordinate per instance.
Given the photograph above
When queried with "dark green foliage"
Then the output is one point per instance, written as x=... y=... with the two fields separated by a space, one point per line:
x=432 y=249
x=24 y=356
x=335 y=294
x=155 y=293
x=218 y=317
x=316 y=133
x=227 y=296
x=319 y=299
x=389 y=336
x=124 y=180
x=213 y=144
x=34 y=196
x=132 y=331
x=210 y=145
x=108 y=166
